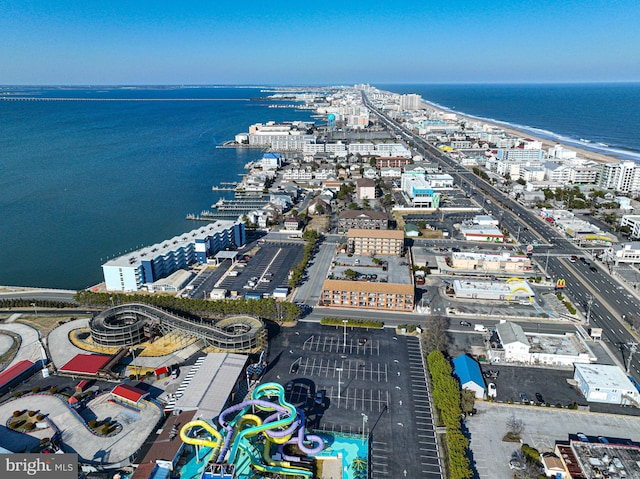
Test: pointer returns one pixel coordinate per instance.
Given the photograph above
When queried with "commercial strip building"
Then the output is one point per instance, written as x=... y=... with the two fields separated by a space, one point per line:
x=135 y=270
x=592 y=458
x=375 y=242
x=514 y=289
x=504 y=263
x=605 y=384
x=484 y=233
x=510 y=344
x=627 y=253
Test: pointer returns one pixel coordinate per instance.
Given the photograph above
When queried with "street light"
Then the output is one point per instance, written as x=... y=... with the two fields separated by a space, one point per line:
x=339 y=383
x=34 y=309
x=344 y=322
x=365 y=419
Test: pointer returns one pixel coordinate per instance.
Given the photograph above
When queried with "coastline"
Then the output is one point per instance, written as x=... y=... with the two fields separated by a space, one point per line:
x=546 y=142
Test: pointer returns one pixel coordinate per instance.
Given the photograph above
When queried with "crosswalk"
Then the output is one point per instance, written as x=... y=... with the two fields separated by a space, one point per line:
x=173 y=398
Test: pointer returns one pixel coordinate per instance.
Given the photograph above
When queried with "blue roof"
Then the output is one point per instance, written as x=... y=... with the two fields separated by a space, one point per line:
x=467 y=369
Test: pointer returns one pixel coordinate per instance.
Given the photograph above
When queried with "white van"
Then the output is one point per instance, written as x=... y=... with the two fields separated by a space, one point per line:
x=480 y=327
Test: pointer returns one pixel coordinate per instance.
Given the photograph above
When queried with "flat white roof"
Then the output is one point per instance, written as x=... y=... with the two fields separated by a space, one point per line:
x=604 y=376
x=212 y=384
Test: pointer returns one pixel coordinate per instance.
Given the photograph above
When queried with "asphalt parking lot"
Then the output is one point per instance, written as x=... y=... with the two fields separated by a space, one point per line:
x=379 y=382
x=542 y=428
x=276 y=258
x=550 y=383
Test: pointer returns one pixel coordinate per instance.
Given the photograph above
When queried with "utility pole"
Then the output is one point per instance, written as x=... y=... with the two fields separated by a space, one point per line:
x=344 y=342
x=633 y=348
x=589 y=303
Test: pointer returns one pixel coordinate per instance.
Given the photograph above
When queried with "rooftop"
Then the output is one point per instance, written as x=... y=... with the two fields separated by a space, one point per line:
x=604 y=376
x=165 y=247
x=88 y=364
x=364 y=233
x=212 y=384
x=511 y=333
x=374 y=215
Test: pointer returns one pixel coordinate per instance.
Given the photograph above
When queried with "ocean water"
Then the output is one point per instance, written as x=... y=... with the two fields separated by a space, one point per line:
x=601 y=117
x=81 y=181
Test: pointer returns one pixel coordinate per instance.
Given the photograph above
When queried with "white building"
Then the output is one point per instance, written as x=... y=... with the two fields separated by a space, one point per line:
x=633 y=222
x=133 y=271
x=418 y=190
x=514 y=342
x=440 y=181
x=627 y=253
x=390 y=172
x=605 y=384
x=410 y=102
x=623 y=176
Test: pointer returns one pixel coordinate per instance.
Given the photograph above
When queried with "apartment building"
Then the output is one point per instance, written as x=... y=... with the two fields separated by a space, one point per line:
x=375 y=242
x=362 y=219
x=367 y=295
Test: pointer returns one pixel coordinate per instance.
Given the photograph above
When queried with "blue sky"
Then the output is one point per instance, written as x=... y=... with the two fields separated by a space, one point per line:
x=285 y=42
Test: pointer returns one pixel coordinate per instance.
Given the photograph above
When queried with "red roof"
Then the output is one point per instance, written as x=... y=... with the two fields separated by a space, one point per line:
x=161 y=371
x=129 y=393
x=14 y=371
x=88 y=364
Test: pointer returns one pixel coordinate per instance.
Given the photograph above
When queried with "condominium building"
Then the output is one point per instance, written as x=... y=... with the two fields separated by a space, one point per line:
x=410 y=102
x=375 y=242
x=369 y=220
x=131 y=272
x=623 y=176
x=633 y=222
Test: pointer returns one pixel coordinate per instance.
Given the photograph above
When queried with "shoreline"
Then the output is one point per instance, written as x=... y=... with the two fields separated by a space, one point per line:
x=515 y=132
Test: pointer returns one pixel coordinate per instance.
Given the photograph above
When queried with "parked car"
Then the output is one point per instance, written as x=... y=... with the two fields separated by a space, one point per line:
x=582 y=437
x=289 y=386
x=492 y=392
x=539 y=398
x=319 y=397
x=523 y=398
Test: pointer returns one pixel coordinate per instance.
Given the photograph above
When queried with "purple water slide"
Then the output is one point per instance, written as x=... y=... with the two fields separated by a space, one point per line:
x=222 y=419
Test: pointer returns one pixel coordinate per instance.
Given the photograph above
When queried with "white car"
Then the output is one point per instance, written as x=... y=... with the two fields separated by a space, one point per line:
x=492 y=392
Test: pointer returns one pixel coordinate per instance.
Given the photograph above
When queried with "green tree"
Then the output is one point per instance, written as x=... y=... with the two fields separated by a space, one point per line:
x=350 y=274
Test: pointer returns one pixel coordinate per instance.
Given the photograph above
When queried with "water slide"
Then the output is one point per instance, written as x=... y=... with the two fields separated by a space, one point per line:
x=206 y=442
x=267 y=389
x=261 y=467
x=278 y=428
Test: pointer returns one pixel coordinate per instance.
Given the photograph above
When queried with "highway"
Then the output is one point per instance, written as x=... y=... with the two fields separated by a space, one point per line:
x=610 y=299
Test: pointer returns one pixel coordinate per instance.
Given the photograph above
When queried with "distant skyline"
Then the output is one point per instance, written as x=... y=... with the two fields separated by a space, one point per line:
x=67 y=42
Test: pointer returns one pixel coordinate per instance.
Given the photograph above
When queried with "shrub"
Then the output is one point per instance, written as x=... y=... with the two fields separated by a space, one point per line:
x=30 y=426
x=93 y=423
x=105 y=429
x=35 y=390
x=53 y=390
x=17 y=413
x=44 y=441
x=16 y=394
x=530 y=453
x=40 y=417
x=31 y=413
x=559 y=406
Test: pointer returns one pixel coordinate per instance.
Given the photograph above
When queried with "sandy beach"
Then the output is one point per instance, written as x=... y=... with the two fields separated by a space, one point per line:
x=546 y=143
